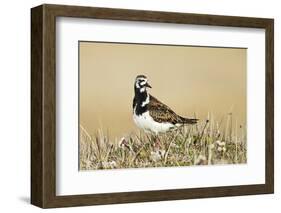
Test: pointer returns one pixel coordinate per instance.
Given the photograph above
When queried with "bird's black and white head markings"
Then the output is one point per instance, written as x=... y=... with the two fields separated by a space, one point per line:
x=141 y=98
x=152 y=115
x=141 y=83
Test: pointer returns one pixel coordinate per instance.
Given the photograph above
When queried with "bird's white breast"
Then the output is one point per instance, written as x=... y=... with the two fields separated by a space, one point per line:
x=146 y=122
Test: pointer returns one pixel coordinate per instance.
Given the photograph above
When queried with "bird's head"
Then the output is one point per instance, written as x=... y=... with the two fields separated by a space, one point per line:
x=141 y=83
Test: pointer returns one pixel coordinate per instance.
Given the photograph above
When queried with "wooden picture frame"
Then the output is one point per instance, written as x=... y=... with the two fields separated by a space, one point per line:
x=43 y=105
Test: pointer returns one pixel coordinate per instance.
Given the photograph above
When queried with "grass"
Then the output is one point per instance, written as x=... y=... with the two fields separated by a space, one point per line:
x=206 y=143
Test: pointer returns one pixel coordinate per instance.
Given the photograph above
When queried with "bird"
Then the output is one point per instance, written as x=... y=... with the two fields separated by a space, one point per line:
x=150 y=114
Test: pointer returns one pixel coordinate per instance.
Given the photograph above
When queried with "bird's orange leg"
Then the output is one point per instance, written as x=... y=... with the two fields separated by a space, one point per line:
x=157 y=143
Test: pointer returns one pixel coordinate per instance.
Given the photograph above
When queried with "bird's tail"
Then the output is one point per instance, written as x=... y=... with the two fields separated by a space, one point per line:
x=189 y=120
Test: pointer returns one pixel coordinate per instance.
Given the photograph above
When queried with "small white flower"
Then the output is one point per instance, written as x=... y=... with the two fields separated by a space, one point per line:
x=113 y=164
x=105 y=164
x=155 y=156
x=162 y=152
x=218 y=142
x=222 y=143
x=220 y=149
x=200 y=160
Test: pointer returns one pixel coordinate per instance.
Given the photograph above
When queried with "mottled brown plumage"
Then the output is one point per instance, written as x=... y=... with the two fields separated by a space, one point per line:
x=162 y=113
x=150 y=114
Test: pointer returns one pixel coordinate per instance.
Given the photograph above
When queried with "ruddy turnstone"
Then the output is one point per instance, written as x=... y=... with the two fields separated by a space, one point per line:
x=150 y=114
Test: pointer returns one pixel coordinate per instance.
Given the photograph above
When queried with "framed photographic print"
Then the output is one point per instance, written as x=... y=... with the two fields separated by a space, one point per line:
x=136 y=106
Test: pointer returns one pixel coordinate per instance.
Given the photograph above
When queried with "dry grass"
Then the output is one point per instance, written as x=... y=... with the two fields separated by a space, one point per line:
x=206 y=143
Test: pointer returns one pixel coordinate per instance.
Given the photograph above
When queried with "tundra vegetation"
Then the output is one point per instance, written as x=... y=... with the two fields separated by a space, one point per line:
x=208 y=142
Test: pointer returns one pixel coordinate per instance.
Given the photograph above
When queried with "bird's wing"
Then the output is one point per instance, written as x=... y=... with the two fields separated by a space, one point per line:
x=161 y=112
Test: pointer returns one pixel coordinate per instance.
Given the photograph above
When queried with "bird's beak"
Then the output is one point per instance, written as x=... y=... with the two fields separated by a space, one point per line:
x=147 y=85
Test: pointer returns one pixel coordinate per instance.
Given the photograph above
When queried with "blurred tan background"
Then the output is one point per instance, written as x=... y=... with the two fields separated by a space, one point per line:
x=190 y=80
